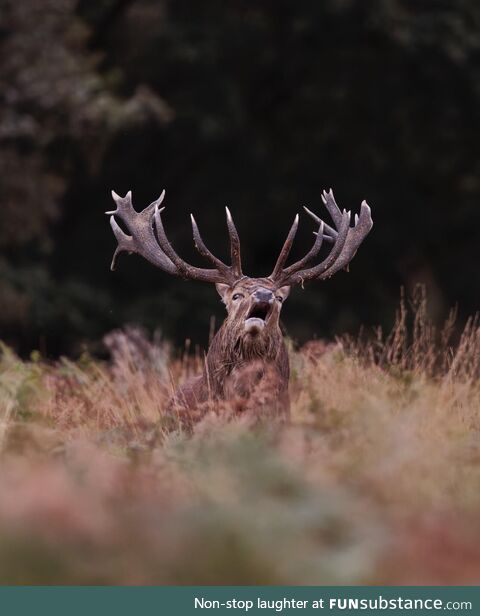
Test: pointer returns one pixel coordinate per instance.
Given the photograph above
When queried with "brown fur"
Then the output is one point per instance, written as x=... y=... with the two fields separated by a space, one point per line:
x=250 y=370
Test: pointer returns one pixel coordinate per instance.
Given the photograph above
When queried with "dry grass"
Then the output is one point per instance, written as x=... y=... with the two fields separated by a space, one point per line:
x=376 y=478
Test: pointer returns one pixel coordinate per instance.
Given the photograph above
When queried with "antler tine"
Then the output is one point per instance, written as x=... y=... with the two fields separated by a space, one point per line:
x=326 y=238
x=180 y=264
x=125 y=242
x=184 y=269
x=202 y=248
x=142 y=239
x=286 y=248
x=332 y=207
x=301 y=276
x=124 y=204
x=311 y=254
x=332 y=233
x=318 y=270
x=356 y=235
x=346 y=242
x=139 y=224
x=234 y=245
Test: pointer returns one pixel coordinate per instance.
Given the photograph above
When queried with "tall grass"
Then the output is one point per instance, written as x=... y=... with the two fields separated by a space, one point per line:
x=375 y=479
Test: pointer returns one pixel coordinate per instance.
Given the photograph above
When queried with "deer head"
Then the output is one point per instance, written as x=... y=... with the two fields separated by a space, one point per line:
x=253 y=304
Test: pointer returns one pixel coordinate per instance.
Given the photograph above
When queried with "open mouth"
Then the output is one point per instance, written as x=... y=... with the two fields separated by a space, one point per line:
x=257 y=317
x=260 y=311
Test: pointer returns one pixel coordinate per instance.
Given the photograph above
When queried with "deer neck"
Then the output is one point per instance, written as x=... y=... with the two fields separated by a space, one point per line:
x=229 y=352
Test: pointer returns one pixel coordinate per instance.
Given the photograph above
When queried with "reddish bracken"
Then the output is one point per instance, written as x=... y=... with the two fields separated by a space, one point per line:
x=248 y=350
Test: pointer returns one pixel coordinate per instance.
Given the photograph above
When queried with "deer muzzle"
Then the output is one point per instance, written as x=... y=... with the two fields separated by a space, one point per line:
x=260 y=310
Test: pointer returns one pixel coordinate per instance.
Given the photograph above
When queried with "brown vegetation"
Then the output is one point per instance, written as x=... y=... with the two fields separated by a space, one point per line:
x=375 y=479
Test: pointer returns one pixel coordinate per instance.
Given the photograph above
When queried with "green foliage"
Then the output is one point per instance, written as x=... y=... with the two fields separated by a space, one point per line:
x=21 y=385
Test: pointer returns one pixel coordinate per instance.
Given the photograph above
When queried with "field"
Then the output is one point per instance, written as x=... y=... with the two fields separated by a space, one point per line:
x=375 y=480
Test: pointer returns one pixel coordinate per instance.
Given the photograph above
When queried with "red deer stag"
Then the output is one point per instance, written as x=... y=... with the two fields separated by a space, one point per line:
x=248 y=349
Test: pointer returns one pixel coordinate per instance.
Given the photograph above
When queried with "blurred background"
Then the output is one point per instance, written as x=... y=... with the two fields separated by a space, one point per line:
x=258 y=106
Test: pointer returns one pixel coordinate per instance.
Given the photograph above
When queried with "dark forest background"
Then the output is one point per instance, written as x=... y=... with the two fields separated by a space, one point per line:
x=255 y=105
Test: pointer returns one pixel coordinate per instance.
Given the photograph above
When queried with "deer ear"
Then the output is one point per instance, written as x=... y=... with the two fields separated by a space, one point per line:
x=284 y=292
x=222 y=289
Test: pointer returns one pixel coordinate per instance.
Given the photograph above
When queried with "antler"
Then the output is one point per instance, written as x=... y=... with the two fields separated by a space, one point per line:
x=148 y=239
x=346 y=241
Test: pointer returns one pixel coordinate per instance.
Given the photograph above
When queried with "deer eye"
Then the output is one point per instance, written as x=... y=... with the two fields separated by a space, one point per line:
x=279 y=298
x=237 y=296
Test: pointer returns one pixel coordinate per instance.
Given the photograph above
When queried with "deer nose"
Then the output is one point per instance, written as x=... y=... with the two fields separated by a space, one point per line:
x=263 y=295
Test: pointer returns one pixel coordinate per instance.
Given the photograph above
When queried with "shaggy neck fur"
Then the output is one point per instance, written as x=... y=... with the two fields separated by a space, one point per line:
x=232 y=349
